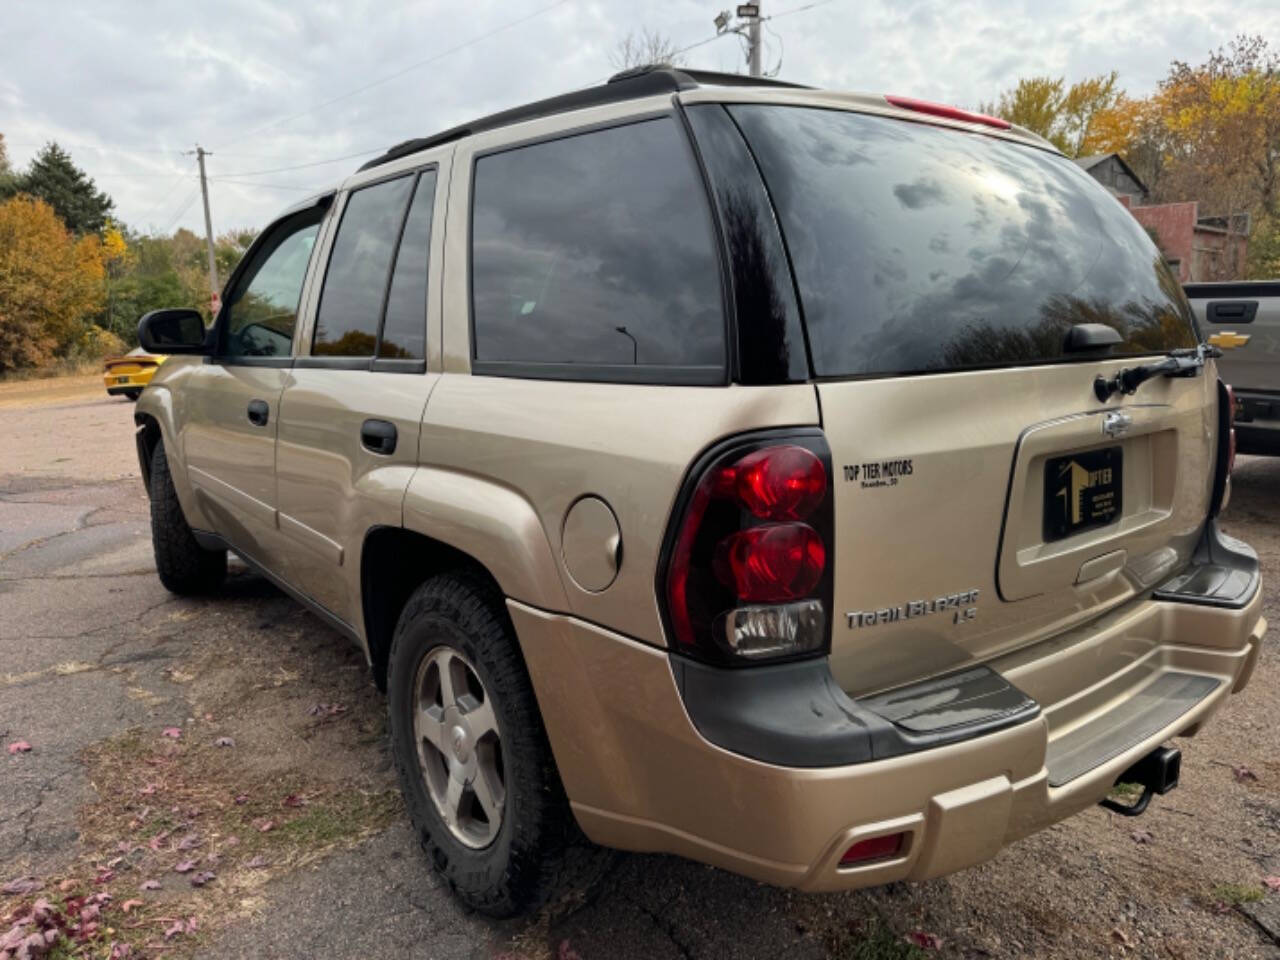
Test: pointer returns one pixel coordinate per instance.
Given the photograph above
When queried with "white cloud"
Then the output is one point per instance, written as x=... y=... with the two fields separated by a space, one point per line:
x=128 y=86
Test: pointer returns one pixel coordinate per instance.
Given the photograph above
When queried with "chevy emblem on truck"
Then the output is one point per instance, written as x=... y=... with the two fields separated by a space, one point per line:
x=962 y=606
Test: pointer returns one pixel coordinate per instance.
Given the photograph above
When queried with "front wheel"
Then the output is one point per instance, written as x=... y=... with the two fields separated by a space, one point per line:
x=184 y=566
x=474 y=762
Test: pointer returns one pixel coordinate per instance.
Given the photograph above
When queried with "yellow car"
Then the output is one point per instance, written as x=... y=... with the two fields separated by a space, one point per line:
x=130 y=373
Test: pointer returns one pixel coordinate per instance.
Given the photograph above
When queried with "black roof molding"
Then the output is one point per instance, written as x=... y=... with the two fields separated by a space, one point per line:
x=627 y=85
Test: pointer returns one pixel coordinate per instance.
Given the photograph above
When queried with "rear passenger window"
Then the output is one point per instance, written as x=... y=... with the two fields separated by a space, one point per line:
x=595 y=252
x=404 y=330
x=359 y=266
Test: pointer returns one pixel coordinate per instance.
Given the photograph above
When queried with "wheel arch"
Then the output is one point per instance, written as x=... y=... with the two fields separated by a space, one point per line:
x=394 y=562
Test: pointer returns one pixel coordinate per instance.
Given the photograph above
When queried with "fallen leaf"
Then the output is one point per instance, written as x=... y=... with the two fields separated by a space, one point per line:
x=21 y=885
x=158 y=842
x=231 y=841
x=190 y=842
x=224 y=742
x=173 y=733
x=257 y=863
x=120 y=951
x=923 y=940
x=19 y=746
x=149 y=789
x=192 y=925
x=177 y=929
x=1141 y=836
x=242 y=799
x=151 y=885
x=186 y=866
x=67 y=884
x=200 y=879
x=1242 y=773
x=104 y=876
x=293 y=800
x=130 y=904
x=263 y=825
x=1120 y=937
x=1271 y=883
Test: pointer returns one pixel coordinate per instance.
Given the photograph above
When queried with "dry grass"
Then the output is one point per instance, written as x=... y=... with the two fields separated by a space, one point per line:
x=166 y=812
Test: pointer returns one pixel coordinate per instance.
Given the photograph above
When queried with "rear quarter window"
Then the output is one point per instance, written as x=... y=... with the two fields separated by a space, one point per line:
x=919 y=248
x=593 y=257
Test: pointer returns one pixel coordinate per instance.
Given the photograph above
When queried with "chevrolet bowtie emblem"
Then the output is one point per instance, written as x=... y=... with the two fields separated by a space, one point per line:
x=1229 y=339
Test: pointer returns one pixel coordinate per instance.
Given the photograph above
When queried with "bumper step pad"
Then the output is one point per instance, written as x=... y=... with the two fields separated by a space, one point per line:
x=1105 y=737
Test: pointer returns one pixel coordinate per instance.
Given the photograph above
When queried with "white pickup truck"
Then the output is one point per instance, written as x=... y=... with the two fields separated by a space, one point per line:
x=1243 y=319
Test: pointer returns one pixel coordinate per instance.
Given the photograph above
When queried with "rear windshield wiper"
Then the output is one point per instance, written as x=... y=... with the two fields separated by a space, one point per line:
x=1187 y=362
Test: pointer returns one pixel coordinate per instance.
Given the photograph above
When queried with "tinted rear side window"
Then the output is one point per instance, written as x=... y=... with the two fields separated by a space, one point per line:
x=596 y=251
x=359 y=266
x=917 y=248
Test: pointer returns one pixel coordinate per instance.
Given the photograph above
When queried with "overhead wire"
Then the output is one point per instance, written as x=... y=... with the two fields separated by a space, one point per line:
x=399 y=73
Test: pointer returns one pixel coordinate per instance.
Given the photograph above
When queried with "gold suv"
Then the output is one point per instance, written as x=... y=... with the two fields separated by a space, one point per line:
x=816 y=485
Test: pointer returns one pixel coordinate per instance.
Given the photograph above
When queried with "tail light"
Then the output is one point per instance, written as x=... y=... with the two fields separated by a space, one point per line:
x=1226 y=460
x=747 y=569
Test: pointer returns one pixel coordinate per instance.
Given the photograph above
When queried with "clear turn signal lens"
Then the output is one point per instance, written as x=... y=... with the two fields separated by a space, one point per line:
x=776 y=631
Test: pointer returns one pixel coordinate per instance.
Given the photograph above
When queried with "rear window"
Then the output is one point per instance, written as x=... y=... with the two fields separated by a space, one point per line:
x=917 y=248
x=593 y=257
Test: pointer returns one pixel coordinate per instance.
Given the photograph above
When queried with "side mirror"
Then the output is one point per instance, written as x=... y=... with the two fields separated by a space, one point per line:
x=175 y=331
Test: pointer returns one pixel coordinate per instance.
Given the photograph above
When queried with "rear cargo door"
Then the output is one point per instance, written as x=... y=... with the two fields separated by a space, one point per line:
x=985 y=497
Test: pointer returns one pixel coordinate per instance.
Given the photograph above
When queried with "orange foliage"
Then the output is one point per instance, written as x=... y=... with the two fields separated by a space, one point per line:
x=50 y=282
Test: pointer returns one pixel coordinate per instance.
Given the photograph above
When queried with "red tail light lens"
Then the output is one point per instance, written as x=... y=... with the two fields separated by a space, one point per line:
x=747 y=571
x=779 y=483
x=772 y=564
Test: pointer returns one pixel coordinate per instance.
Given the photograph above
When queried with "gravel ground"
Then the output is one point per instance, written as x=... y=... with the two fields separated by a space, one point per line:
x=96 y=660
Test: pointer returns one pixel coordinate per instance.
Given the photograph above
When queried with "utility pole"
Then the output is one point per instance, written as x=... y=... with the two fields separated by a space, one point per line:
x=748 y=26
x=208 y=223
x=753 y=41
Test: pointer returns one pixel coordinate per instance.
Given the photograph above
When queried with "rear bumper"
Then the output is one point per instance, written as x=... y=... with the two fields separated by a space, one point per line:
x=641 y=776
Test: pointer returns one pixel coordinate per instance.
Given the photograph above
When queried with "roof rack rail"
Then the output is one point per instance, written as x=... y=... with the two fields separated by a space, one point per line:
x=627 y=85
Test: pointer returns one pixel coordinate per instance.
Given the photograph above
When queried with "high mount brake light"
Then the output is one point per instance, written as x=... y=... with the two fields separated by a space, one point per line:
x=748 y=570
x=949 y=112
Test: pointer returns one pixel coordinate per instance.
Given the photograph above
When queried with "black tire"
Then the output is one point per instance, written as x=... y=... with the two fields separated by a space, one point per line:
x=133 y=395
x=538 y=850
x=185 y=567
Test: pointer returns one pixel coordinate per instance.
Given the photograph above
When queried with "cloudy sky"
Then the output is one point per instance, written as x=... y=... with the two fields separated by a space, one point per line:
x=267 y=84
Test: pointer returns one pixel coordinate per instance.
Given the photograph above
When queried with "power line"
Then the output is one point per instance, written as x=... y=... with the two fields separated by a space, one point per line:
x=399 y=73
x=257 y=183
x=167 y=194
x=299 y=166
x=186 y=205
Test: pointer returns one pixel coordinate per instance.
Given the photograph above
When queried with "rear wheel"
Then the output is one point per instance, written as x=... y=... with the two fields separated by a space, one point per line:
x=184 y=566
x=474 y=762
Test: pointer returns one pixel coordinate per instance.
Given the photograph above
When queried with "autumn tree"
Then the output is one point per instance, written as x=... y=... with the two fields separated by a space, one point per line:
x=1065 y=116
x=60 y=183
x=51 y=281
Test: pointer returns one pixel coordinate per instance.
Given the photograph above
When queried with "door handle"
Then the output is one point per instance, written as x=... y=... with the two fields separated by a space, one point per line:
x=378 y=436
x=259 y=412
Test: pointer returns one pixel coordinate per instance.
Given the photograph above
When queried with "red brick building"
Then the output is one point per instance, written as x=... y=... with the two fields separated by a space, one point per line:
x=1198 y=248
